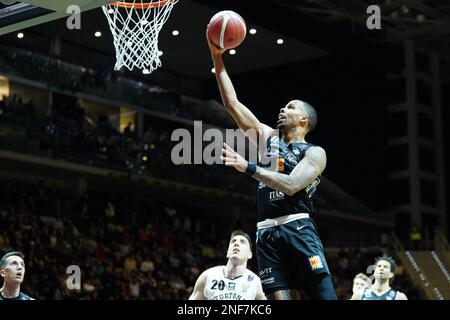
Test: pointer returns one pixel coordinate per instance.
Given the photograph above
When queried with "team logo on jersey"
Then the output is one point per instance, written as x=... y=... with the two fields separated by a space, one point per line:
x=250 y=278
x=261 y=185
x=296 y=152
x=280 y=166
x=231 y=285
x=315 y=263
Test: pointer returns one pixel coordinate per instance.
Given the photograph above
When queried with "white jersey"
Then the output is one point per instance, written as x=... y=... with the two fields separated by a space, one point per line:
x=218 y=287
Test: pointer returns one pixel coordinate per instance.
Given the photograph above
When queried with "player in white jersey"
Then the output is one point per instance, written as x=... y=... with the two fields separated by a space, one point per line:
x=232 y=281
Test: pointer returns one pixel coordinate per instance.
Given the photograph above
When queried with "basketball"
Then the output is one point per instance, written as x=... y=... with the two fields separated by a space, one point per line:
x=227 y=29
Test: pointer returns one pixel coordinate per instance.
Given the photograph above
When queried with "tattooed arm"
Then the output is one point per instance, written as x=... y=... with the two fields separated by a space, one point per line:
x=304 y=173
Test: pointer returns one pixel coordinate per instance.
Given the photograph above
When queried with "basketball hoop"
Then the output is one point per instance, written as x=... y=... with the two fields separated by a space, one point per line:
x=135 y=26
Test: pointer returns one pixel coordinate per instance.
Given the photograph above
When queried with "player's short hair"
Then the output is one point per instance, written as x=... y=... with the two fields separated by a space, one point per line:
x=312 y=115
x=388 y=259
x=241 y=233
x=362 y=276
x=10 y=254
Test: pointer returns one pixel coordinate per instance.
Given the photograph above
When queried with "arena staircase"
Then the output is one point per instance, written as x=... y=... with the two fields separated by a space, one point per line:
x=437 y=273
x=430 y=270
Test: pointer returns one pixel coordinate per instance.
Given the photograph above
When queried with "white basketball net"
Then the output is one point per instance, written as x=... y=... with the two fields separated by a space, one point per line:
x=135 y=31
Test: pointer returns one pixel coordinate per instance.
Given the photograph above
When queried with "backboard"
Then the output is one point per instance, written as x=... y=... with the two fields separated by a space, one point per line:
x=21 y=15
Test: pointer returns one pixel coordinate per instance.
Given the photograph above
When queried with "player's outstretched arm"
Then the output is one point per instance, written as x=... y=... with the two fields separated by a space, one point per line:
x=304 y=173
x=244 y=118
x=197 y=293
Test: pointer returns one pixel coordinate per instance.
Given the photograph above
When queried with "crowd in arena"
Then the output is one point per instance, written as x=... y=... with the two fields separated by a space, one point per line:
x=63 y=75
x=65 y=132
x=158 y=258
x=107 y=83
x=157 y=254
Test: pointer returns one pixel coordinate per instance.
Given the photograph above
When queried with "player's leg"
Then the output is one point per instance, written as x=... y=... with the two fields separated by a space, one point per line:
x=305 y=259
x=274 y=284
x=319 y=287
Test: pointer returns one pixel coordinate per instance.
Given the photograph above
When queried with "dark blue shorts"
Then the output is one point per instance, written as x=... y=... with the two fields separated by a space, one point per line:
x=291 y=256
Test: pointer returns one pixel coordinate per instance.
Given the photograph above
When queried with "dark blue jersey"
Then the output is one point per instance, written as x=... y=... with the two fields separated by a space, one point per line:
x=21 y=296
x=271 y=203
x=368 y=294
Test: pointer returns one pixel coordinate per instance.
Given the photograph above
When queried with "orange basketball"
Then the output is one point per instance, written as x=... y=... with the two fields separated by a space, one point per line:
x=227 y=29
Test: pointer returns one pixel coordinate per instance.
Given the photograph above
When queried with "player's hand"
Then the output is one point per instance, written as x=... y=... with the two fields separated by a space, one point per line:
x=233 y=159
x=215 y=50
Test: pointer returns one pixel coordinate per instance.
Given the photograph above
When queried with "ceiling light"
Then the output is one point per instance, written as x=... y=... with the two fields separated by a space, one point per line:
x=252 y=31
x=160 y=53
x=280 y=41
x=213 y=70
x=146 y=71
x=420 y=17
x=175 y=32
x=20 y=35
x=98 y=34
x=232 y=51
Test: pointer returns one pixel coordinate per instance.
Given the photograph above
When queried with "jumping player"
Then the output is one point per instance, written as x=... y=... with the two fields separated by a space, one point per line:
x=289 y=250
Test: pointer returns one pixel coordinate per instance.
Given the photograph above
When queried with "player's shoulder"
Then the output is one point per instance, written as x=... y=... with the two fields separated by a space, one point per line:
x=401 y=296
x=315 y=149
x=317 y=155
x=21 y=296
x=252 y=273
x=214 y=270
x=24 y=296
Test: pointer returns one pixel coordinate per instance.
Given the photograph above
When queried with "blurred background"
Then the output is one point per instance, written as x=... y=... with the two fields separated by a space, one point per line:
x=86 y=175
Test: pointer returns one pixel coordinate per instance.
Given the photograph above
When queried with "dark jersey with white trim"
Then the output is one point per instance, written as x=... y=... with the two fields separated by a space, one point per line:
x=271 y=203
x=368 y=294
x=21 y=296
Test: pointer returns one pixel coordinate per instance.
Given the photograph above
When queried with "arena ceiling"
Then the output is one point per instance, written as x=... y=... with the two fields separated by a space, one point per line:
x=310 y=29
x=186 y=54
x=425 y=21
